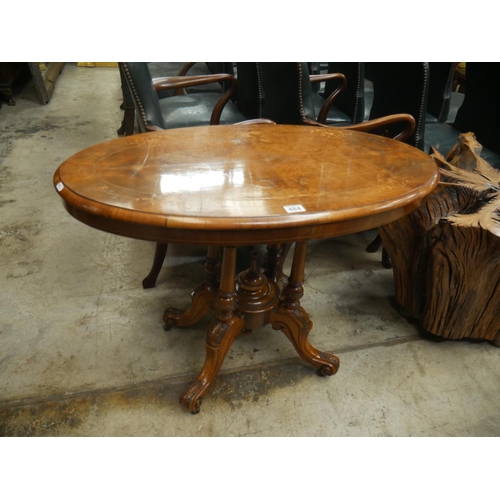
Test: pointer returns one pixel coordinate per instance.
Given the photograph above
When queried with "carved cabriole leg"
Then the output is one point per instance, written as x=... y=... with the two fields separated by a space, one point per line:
x=203 y=298
x=220 y=336
x=293 y=320
x=160 y=252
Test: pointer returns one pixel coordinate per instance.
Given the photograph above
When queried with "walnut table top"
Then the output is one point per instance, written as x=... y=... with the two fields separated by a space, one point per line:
x=231 y=184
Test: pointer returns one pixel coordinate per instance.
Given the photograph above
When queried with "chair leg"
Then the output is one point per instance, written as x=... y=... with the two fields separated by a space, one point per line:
x=150 y=280
x=127 y=126
x=374 y=245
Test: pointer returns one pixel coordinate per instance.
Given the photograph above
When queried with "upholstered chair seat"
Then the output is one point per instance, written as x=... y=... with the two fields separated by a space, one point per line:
x=193 y=110
x=335 y=115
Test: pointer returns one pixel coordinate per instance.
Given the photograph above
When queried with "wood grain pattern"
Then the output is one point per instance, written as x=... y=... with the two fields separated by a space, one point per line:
x=446 y=254
x=222 y=185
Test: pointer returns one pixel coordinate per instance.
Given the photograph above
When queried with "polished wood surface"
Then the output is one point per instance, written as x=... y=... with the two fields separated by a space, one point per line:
x=229 y=185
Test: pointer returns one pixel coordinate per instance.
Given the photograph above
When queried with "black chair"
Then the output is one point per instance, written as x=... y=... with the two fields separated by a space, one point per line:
x=287 y=97
x=157 y=69
x=177 y=111
x=250 y=96
x=349 y=105
x=249 y=93
x=399 y=88
x=166 y=69
x=182 y=109
x=478 y=113
x=440 y=100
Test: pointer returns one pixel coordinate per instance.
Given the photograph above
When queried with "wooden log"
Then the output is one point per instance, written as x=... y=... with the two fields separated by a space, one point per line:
x=446 y=254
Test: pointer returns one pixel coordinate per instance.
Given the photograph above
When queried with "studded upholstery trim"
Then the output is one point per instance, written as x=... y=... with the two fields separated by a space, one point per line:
x=450 y=75
x=358 y=86
x=420 y=121
x=259 y=84
x=134 y=91
x=301 y=97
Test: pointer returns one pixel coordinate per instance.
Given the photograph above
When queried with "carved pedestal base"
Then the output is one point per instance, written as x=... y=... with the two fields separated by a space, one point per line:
x=251 y=300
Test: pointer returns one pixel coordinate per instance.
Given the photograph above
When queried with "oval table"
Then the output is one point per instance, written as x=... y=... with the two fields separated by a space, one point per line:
x=250 y=184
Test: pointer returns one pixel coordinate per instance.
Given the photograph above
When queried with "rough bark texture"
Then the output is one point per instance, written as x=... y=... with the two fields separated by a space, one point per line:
x=446 y=254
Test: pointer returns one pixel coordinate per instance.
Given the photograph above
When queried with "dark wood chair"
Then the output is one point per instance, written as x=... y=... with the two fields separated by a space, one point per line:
x=164 y=69
x=250 y=96
x=288 y=99
x=349 y=105
x=179 y=110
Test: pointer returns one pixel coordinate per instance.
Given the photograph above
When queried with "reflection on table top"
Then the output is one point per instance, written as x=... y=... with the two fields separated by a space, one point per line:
x=247 y=176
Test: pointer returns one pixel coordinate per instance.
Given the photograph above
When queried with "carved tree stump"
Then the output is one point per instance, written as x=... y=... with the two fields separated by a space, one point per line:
x=446 y=254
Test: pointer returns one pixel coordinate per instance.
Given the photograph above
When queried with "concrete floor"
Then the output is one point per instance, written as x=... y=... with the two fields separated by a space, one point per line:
x=83 y=351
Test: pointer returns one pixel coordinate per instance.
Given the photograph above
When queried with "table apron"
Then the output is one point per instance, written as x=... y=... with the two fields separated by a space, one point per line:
x=237 y=237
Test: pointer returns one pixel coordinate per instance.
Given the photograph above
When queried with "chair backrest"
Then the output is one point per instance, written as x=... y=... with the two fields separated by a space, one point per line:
x=440 y=84
x=287 y=95
x=480 y=110
x=272 y=90
x=249 y=93
x=146 y=102
x=401 y=88
x=351 y=100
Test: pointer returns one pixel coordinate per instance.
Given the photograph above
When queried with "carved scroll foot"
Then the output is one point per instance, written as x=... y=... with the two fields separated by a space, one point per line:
x=203 y=300
x=296 y=325
x=219 y=339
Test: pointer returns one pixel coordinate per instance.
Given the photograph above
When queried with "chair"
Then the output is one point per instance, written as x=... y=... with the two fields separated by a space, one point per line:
x=180 y=110
x=478 y=114
x=165 y=69
x=287 y=95
x=248 y=97
x=349 y=105
x=399 y=88
x=440 y=91
x=288 y=98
